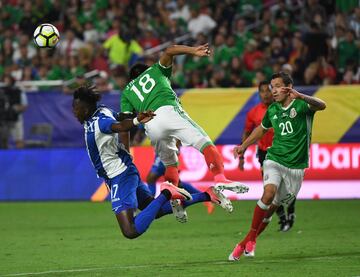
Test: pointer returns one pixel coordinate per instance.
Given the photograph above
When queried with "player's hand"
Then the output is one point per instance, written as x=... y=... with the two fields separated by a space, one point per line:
x=294 y=94
x=202 y=50
x=241 y=163
x=238 y=152
x=146 y=116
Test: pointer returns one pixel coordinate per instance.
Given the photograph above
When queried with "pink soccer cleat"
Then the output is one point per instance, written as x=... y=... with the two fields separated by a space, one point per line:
x=176 y=192
x=250 y=249
x=236 y=253
x=218 y=198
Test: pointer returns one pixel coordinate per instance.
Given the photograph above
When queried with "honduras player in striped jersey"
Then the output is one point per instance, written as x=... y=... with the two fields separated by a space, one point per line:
x=113 y=163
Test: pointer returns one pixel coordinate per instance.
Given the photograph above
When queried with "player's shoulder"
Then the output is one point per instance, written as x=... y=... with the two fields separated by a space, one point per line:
x=273 y=107
x=104 y=111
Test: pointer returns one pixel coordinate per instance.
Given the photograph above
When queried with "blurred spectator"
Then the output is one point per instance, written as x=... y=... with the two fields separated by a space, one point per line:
x=251 y=53
x=347 y=50
x=199 y=22
x=355 y=21
x=12 y=104
x=315 y=43
x=70 y=44
x=313 y=10
x=123 y=49
x=182 y=11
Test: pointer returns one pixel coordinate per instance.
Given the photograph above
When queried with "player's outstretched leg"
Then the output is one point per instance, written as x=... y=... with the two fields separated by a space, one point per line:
x=132 y=227
x=190 y=188
x=216 y=166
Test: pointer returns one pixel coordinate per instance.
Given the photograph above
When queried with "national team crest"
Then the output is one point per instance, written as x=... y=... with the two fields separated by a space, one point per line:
x=293 y=113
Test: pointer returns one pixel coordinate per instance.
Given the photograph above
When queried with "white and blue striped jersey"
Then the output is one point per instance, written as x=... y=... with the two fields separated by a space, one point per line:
x=108 y=156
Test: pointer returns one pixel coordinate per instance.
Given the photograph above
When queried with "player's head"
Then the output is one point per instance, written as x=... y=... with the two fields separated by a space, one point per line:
x=279 y=80
x=136 y=70
x=265 y=93
x=85 y=102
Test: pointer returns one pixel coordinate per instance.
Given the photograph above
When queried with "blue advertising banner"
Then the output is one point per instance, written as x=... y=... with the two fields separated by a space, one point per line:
x=56 y=174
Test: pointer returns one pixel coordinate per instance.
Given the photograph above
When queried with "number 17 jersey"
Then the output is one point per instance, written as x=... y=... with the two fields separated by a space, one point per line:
x=149 y=91
x=292 y=133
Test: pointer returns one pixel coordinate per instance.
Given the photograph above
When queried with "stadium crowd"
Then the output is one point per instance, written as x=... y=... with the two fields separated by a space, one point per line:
x=317 y=41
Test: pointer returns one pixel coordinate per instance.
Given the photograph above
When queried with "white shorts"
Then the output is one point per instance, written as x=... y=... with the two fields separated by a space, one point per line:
x=171 y=124
x=17 y=129
x=287 y=180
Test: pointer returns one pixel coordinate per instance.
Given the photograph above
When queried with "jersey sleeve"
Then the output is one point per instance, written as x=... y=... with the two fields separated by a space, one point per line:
x=166 y=71
x=266 y=123
x=105 y=123
x=126 y=106
x=307 y=109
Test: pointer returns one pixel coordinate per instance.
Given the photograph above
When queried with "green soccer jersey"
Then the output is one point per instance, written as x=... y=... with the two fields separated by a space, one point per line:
x=149 y=91
x=292 y=133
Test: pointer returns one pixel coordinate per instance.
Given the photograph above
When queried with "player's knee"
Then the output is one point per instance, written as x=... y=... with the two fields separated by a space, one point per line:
x=130 y=234
x=268 y=197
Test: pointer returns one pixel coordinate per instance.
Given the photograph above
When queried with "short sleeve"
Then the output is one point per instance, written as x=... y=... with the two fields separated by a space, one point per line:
x=126 y=106
x=166 y=71
x=266 y=123
x=105 y=124
x=307 y=109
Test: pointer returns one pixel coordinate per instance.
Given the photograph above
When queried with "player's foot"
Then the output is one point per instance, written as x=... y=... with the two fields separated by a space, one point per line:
x=209 y=206
x=218 y=198
x=284 y=226
x=250 y=249
x=236 y=253
x=179 y=211
x=222 y=184
x=176 y=192
x=291 y=220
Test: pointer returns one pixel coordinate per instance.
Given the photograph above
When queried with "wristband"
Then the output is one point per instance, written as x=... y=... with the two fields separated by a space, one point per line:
x=136 y=121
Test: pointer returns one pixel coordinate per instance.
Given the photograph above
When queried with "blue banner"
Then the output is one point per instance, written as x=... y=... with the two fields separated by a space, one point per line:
x=56 y=174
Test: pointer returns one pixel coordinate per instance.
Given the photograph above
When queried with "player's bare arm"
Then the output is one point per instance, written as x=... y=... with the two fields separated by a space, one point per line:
x=127 y=124
x=167 y=57
x=315 y=104
x=255 y=135
x=245 y=135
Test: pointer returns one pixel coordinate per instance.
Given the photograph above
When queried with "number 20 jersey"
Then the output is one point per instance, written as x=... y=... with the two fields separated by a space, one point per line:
x=292 y=133
x=149 y=91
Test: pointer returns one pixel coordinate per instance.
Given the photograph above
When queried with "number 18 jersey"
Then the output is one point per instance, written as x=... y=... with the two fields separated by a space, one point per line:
x=292 y=133
x=149 y=91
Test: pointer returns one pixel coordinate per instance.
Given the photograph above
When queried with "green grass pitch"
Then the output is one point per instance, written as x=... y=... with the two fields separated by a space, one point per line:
x=83 y=239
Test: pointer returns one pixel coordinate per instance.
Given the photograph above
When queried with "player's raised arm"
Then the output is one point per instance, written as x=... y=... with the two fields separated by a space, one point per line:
x=255 y=135
x=127 y=124
x=315 y=104
x=167 y=57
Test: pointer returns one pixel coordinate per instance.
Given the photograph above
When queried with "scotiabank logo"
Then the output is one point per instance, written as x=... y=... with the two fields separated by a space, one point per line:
x=327 y=161
x=335 y=156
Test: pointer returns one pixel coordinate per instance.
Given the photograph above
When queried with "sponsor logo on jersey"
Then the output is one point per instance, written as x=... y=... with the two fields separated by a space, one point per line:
x=284 y=115
x=293 y=113
x=275 y=117
x=266 y=177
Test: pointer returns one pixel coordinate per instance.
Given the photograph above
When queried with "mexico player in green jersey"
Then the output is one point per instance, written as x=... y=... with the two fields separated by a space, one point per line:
x=150 y=89
x=291 y=117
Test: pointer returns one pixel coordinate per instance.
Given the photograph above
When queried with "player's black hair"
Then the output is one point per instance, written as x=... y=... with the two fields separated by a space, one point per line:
x=87 y=94
x=136 y=70
x=263 y=83
x=284 y=76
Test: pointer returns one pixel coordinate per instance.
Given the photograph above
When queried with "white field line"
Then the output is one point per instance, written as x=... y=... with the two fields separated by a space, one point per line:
x=282 y=260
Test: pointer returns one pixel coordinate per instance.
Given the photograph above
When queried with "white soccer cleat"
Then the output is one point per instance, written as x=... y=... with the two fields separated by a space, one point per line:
x=179 y=211
x=236 y=187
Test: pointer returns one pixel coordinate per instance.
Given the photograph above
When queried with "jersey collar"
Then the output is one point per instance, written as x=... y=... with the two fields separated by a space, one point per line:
x=288 y=106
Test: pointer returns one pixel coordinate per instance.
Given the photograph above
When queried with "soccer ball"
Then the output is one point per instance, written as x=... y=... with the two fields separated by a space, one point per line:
x=46 y=36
